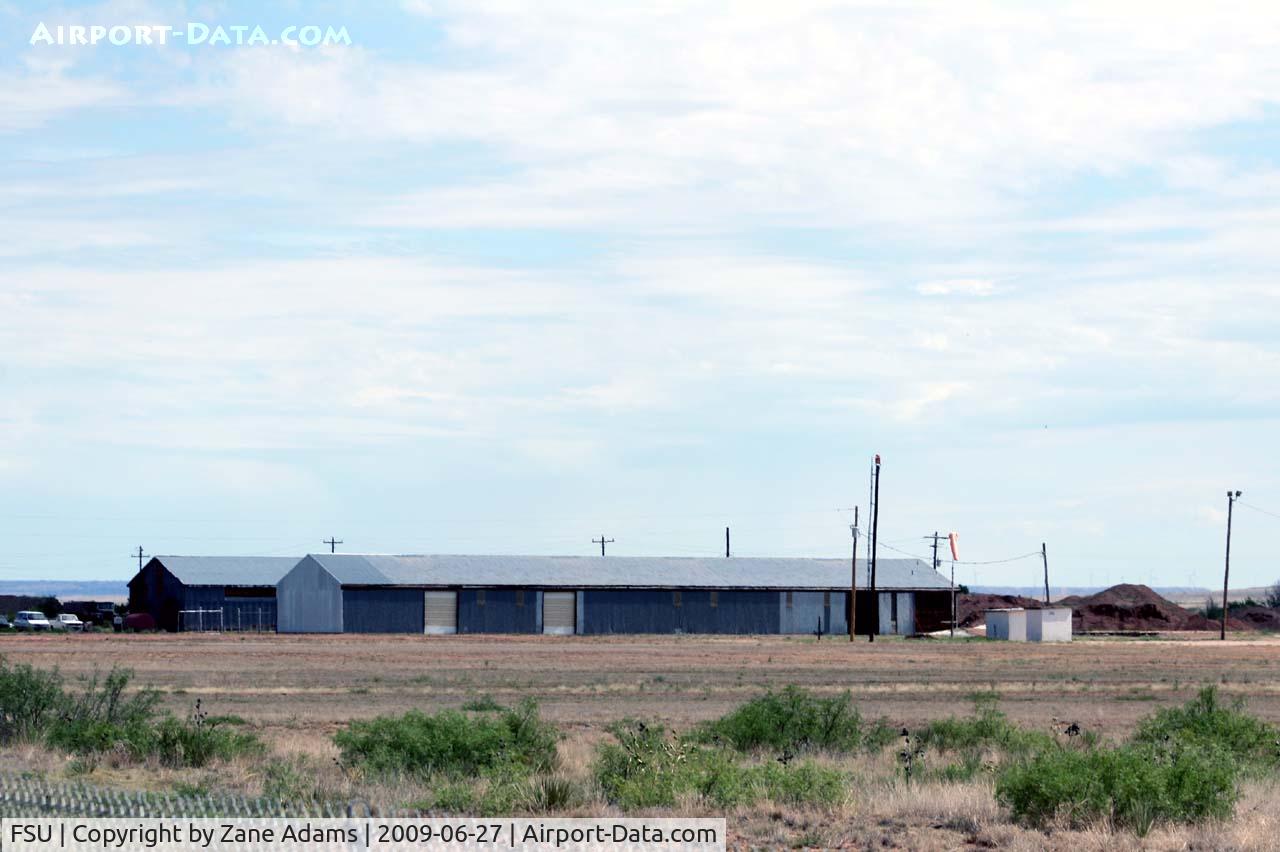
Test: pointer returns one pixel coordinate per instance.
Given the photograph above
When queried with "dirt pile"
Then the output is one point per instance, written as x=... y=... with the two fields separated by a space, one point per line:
x=1258 y=617
x=971 y=609
x=1136 y=607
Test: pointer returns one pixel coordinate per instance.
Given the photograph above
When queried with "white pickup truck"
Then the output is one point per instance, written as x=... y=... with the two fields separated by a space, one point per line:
x=69 y=622
x=30 y=619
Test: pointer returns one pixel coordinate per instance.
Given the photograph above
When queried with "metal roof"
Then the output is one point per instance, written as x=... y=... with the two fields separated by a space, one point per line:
x=623 y=572
x=228 y=570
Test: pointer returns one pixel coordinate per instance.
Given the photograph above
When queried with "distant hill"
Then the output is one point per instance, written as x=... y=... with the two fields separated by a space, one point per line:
x=98 y=590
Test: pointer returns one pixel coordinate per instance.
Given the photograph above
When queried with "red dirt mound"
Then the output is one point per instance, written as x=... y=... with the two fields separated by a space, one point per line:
x=971 y=609
x=1260 y=617
x=1136 y=607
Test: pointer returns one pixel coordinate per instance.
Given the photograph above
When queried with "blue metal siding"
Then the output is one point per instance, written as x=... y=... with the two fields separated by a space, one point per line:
x=499 y=614
x=383 y=611
x=654 y=611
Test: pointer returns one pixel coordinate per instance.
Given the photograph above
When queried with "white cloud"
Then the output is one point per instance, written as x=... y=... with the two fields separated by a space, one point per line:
x=957 y=287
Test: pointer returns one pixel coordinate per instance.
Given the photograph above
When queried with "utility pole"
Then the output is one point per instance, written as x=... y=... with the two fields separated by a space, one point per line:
x=1226 y=571
x=853 y=585
x=934 y=538
x=333 y=543
x=602 y=541
x=875 y=529
x=140 y=556
x=1044 y=555
x=726 y=542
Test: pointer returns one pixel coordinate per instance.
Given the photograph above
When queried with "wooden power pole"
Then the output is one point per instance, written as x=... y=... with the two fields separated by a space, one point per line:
x=853 y=574
x=1044 y=555
x=875 y=528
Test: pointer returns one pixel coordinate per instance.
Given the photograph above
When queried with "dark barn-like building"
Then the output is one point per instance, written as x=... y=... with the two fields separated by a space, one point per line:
x=341 y=593
x=209 y=592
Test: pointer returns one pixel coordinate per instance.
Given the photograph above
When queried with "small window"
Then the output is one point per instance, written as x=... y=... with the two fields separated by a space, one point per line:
x=480 y=597
x=715 y=599
x=675 y=599
x=826 y=599
x=519 y=597
x=789 y=600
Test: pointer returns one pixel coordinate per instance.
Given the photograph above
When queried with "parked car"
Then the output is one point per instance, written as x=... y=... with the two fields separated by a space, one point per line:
x=4 y=623
x=29 y=619
x=68 y=621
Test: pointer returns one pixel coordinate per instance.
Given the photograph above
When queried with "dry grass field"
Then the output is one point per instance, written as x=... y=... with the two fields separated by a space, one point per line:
x=296 y=691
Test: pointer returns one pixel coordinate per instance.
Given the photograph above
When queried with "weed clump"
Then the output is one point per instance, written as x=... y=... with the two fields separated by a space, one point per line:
x=1206 y=724
x=647 y=768
x=795 y=721
x=1133 y=786
x=451 y=742
x=987 y=728
x=106 y=718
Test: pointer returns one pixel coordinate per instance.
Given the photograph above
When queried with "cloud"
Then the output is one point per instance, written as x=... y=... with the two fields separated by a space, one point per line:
x=957 y=287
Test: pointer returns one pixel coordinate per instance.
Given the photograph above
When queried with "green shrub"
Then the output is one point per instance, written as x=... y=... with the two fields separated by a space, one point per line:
x=1134 y=786
x=646 y=768
x=191 y=743
x=29 y=700
x=451 y=742
x=795 y=720
x=801 y=783
x=102 y=716
x=483 y=704
x=987 y=728
x=456 y=797
x=1205 y=723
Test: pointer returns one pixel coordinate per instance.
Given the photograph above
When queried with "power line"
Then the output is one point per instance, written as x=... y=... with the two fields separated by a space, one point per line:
x=1258 y=509
x=1034 y=553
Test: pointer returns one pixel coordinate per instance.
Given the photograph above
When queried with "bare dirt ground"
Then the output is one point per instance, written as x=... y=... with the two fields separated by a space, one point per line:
x=297 y=690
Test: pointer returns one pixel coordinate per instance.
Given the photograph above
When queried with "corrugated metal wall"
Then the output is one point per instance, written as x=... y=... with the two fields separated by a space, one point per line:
x=499 y=613
x=383 y=610
x=155 y=591
x=238 y=612
x=309 y=600
x=655 y=611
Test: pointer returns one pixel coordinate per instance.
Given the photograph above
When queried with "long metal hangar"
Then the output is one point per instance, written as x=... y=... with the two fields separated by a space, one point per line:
x=329 y=593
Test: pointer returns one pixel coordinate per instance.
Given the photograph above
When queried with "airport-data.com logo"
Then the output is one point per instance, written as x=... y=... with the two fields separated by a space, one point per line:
x=192 y=34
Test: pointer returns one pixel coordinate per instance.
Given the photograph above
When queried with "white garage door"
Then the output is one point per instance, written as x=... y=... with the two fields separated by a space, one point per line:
x=558 y=611
x=442 y=612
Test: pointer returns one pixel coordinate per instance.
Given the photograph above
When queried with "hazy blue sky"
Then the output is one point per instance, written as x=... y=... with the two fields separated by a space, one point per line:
x=502 y=277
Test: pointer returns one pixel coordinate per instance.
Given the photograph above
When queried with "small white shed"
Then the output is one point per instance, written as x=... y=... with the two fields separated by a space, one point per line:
x=1009 y=624
x=1051 y=624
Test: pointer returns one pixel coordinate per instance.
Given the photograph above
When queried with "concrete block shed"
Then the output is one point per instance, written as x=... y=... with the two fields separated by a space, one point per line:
x=1051 y=624
x=1007 y=624
x=583 y=595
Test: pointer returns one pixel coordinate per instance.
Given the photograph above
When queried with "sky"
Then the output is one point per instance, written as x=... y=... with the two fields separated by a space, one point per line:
x=498 y=277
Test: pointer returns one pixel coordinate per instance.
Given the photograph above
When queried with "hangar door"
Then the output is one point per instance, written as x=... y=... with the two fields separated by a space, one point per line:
x=559 y=611
x=442 y=612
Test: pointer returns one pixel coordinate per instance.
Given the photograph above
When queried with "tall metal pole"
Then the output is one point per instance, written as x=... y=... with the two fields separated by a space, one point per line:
x=1044 y=554
x=1226 y=571
x=875 y=529
x=726 y=542
x=853 y=572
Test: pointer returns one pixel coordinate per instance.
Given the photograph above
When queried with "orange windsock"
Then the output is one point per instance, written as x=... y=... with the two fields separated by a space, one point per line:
x=954 y=539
